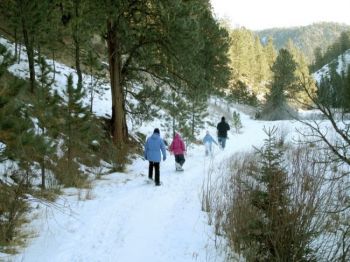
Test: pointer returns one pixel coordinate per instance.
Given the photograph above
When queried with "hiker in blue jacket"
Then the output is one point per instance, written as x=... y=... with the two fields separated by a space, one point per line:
x=208 y=140
x=154 y=145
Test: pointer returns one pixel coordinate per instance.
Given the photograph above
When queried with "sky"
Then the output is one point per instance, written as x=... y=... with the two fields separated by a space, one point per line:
x=263 y=14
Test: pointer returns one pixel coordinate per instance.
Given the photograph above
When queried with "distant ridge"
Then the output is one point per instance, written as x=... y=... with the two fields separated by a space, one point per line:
x=306 y=38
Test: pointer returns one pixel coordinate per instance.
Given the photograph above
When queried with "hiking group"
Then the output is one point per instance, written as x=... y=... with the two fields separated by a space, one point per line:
x=155 y=149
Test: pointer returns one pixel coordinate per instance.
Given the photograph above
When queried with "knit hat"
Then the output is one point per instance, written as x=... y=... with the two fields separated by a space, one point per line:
x=156 y=130
x=223 y=118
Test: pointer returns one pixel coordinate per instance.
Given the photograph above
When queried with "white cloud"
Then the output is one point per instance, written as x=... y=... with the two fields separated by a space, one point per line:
x=262 y=14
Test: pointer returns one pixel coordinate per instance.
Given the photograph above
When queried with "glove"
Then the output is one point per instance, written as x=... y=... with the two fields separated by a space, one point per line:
x=164 y=157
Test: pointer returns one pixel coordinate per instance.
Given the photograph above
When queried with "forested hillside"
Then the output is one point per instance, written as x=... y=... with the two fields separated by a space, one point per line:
x=306 y=38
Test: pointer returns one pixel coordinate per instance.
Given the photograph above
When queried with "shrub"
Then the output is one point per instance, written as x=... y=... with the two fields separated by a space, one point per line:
x=270 y=206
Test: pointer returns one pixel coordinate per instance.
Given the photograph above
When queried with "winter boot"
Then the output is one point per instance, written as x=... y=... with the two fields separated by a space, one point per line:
x=178 y=166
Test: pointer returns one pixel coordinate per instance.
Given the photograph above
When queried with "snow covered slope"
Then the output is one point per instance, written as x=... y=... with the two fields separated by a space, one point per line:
x=343 y=64
x=102 y=104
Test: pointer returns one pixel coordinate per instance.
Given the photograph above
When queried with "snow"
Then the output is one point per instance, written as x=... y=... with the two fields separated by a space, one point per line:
x=343 y=63
x=124 y=217
x=102 y=103
x=130 y=219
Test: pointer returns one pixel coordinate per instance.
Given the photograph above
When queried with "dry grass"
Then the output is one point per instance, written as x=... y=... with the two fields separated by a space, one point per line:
x=228 y=203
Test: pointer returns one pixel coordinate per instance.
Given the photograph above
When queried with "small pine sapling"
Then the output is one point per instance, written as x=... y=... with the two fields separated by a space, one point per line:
x=237 y=124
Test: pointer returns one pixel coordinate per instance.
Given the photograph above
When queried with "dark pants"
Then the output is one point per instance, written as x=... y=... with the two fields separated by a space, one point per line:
x=222 y=141
x=180 y=159
x=150 y=171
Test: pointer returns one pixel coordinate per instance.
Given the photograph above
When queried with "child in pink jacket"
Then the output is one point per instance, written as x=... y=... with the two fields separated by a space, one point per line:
x=177 y=147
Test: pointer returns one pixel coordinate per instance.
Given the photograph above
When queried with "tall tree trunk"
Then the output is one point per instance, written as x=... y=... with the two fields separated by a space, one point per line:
x=43 y=175
x=28 y=42
x=77 y=44
x=16 y=44
x=119 y=127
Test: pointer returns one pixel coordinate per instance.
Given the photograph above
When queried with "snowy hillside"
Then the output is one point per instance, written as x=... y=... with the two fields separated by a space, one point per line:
x=102 y=104
x=343 y=64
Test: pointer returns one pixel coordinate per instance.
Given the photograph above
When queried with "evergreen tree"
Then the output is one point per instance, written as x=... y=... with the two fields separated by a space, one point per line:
x=95 y=71
x=269 y=234
x=81 y=24
x=270 y=54
x=336 y=81
x=269 y=197
x=283 y=86
x=31 y=18
x=10 y=108
x=301 y=72
x=17 y=129
x=344 y=41
x=318 y=60
x=176 y=107
x=261 y=65
x=241 y=52
x=250 y=61
x=325 y=94
x=78 y=131
x=240 y=93
x=163 y=40
x=346 y=91
x=198 y=112
x=237 y=123
x=339 y=46
x=46 y=111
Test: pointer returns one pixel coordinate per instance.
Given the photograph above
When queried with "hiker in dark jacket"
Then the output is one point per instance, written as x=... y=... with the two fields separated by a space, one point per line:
x=222 y=129
x=153 y=148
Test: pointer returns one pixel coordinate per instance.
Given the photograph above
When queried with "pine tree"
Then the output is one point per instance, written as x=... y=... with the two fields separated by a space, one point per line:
x=241 y=93
x=78 y=131
x=198 y=112
x=17 y=128
x=323 y=57
x=346 y=91
x=46 y=111
x=283 y=87
x=80 y=24
x=270 y=235
x=261 y=65
x=270 y=53
x=318 y=60
x=237 y=123
x=31 y=17
x=325 y=94
x=301 y=72
x=10 y=108
x=336 y=82
x=164 y=40
x=176 y=112
x=96 y=81
x=242 y=52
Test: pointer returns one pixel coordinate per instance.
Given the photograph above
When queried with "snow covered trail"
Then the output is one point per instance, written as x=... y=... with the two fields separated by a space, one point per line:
x=129 y=219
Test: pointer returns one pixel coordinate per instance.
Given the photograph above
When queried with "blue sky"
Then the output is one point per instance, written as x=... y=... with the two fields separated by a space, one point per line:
x=262 y=14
